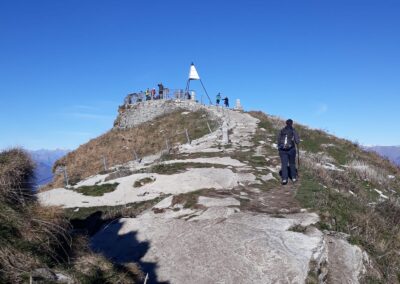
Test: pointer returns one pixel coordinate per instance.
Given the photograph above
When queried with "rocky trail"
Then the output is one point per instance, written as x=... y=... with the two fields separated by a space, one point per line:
x=224 y=218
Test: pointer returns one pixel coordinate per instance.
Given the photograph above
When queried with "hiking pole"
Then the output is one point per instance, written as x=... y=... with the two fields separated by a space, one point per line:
x=298 y=158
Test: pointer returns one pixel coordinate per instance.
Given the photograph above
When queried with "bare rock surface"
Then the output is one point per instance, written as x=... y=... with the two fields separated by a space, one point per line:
x=191 y=180
x=346 y=261
x=215 y=202
x=242 y=248
x=267 y=177
x=225 y=161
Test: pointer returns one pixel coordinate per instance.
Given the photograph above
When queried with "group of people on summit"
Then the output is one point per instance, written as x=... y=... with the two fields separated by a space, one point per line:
x=149 y=94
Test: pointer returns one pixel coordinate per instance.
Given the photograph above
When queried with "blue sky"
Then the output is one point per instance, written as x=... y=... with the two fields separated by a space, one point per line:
x=66 y=65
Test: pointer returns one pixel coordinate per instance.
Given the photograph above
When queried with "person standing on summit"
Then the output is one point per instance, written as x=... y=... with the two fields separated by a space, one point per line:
x=218 y=99
x=287 y=141
x=161 y=90
x=226 y=102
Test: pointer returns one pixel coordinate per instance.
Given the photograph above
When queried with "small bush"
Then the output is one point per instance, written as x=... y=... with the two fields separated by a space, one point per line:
x=143 y=181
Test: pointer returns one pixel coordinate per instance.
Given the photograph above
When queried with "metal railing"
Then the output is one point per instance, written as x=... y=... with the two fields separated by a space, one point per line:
x=165 y=94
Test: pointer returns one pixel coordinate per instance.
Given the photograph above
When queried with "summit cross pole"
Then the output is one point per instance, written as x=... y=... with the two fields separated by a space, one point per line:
x=206 y=92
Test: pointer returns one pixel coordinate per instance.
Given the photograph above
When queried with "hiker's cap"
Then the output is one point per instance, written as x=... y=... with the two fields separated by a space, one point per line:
x=289 y=122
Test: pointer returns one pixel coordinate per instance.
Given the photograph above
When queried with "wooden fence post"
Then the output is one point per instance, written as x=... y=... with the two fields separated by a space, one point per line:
x=187 y=136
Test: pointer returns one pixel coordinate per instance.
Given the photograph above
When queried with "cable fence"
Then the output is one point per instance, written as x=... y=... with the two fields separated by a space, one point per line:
x=164 y=94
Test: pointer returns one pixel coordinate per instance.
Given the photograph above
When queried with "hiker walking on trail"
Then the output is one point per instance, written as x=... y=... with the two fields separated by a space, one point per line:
x=218 y=99
x=226 y=102
x=287 y=141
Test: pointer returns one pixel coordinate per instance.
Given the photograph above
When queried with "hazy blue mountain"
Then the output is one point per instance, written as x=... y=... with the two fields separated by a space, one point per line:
x=390 y=152
x=44 y=160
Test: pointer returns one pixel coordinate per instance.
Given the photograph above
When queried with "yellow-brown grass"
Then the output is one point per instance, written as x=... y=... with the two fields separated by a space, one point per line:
x=118 y=145
x=30 y=235
x=34 y=237
x=16 y=175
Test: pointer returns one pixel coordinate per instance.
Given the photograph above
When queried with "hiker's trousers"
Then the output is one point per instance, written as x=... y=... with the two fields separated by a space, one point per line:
x=288 y=158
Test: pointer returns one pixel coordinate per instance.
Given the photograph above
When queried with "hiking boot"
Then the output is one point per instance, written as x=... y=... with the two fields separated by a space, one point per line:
x=284 y=182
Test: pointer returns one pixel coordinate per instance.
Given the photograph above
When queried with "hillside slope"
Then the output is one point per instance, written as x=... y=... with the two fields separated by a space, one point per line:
x=222 y=205
x=119 y=146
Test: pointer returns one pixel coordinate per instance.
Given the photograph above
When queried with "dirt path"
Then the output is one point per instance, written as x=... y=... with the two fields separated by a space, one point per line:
x=280 y=200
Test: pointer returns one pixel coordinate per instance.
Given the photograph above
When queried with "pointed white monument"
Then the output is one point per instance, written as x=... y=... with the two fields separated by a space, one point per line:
x=194 y=75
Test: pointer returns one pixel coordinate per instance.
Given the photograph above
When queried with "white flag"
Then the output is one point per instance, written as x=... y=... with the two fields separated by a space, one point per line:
x=193 y=75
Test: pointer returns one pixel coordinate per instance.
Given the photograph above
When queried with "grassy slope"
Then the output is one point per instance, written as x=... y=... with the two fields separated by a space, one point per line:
x=118 y=145
x=372 y=224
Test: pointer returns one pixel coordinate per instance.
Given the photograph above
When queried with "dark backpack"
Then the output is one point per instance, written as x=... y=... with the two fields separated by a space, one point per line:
x=286 y=139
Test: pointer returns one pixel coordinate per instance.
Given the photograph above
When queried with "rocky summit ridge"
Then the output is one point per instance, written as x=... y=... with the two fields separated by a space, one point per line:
x=215 y=211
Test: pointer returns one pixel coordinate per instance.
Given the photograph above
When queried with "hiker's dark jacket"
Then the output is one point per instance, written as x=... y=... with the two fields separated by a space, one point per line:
x=285 y=131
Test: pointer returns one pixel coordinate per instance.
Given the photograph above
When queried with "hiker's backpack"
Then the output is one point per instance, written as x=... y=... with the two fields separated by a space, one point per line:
x=286 y=139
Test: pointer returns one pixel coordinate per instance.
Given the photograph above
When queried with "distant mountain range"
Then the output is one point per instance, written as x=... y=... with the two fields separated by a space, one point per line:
x=44 y=160
x=390 y=152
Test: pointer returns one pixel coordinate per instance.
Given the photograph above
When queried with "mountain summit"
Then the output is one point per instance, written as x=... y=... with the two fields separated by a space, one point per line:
x=191 y=194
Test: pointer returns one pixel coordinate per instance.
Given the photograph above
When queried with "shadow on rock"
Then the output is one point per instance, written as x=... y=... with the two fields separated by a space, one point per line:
x=124 y=248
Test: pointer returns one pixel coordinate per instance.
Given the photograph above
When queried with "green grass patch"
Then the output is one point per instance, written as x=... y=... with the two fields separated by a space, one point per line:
x=309 y=191
x=168 y=169
x=340 y=154
x=97 y=190
x=128 y=210
x=257 y=161
x=298 y=228
x=174 y=168
x=143 y=181
x=189 y=200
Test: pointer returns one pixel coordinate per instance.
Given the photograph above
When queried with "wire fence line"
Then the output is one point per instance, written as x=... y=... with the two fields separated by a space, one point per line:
x=165 y=94
x=133 y=152
x=108 y=165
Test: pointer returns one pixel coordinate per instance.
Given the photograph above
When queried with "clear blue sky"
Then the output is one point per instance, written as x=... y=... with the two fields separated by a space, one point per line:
x=65 y=65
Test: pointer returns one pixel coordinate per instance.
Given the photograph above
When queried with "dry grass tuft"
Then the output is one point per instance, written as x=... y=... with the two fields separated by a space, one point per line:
x=16 y=176
x=365 y=171
x=89 y=267
x=33 y=237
